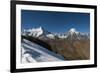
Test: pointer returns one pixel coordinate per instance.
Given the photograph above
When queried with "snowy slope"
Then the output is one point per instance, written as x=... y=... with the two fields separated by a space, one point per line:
x=32 y=52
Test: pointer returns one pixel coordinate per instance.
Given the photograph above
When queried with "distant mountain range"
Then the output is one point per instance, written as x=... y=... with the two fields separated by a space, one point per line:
x=40 y=32
x=72 y=45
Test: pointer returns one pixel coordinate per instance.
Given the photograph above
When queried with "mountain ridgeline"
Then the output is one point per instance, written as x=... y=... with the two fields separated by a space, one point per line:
x=72 y=45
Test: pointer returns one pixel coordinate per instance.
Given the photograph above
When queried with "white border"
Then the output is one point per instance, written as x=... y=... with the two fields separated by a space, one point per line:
x=20 y=65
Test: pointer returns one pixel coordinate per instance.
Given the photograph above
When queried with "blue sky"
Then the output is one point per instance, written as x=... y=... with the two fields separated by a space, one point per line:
x=57 y=22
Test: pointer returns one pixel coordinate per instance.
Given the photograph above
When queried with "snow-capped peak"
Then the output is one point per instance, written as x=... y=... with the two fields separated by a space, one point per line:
x=72 y=30
x=36 y=32
x=74 y=35
x=36 y=29
x=39 y=28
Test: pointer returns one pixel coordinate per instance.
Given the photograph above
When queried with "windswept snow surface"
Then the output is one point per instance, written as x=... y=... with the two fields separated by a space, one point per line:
x=32 y=52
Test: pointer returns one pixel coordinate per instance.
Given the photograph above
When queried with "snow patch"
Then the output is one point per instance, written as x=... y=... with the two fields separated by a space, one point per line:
x=35 y=53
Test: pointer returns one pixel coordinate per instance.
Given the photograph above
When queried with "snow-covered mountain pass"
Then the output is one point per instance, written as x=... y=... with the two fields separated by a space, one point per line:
x=32 y=52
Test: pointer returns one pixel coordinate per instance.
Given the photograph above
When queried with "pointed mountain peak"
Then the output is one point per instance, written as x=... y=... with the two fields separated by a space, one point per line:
x=37 y=29
x=41 y=28
x=72 y=30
